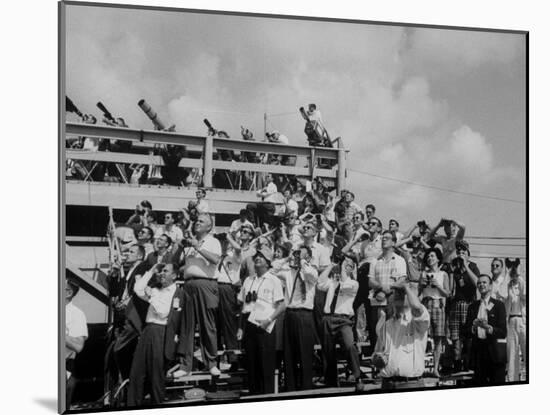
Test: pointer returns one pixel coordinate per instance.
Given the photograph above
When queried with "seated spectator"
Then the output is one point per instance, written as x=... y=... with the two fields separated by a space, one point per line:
x=346 y=208
x=264 y=211
x=169 y=228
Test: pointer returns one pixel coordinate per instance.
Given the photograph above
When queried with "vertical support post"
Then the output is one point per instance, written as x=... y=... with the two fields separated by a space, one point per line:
x=265 y=124
x=312 y=162
x=207 y=160
x=341 y=184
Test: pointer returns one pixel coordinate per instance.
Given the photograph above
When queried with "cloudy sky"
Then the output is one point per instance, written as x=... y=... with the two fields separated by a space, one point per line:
x=442 y=108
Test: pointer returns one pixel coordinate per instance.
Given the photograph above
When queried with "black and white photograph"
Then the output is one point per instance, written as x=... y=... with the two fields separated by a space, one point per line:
x=263 y=207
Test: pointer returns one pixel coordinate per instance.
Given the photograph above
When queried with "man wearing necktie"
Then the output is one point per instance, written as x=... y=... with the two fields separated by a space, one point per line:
x=298 y=325
x=341 y=289
x=486 y=325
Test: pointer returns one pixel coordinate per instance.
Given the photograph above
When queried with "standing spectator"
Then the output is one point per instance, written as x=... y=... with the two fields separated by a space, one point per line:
x=346 y=209
x=341 y=288
x=156 y=346
x=486 y=326
x=370 y=249
x=229 y=283
x=145 y=238
x=291 y=206
x=465 y=274
x=454 y=232
x=258 y=337
x=299 y=195
x=370 y=210
x=434 y=285
x=202 y=205
x=358 y=223
x=169 y=228
x=244 y=250
x=163 y=253
x=393 y=226
x=263 y=211
x=500 y=280
x=201 y=296
x=389 y=268
x=136 y=220
x=515 y=303
x=320 y=260
x=240 y=222
x=402 y=339
x=130 y=310
x=298 y=325
x=76 y=333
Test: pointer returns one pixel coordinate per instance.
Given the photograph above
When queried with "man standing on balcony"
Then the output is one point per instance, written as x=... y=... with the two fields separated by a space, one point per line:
x=200 y=262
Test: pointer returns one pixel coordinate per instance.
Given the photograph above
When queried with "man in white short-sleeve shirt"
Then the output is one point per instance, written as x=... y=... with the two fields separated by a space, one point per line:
x=201 y=296
x=389 y=268
x=76 y=333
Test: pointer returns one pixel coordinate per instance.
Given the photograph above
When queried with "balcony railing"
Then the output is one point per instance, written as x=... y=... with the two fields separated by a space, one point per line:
x=207 y=146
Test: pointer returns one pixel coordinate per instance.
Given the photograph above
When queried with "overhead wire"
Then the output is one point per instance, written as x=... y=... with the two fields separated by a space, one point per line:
x=442 y=189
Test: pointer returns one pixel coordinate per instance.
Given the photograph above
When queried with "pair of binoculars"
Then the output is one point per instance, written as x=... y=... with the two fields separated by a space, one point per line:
x=251 y=297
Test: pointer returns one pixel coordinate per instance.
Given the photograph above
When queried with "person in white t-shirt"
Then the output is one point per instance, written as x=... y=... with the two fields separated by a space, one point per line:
x=76 y=333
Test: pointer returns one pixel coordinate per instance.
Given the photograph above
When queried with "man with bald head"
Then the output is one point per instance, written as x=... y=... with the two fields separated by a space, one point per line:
x=201 y=256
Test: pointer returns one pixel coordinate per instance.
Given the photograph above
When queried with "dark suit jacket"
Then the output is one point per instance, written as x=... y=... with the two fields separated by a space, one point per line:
x=496 y=317
x=173 y=326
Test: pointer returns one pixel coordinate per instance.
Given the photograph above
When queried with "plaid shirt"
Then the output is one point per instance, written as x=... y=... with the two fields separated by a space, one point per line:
x=386 y=272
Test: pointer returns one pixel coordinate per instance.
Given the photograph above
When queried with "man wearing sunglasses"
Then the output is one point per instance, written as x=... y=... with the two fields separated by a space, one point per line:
x=169 y=228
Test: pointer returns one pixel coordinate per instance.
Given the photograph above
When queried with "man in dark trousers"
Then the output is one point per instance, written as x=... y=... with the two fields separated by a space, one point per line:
x=130 y=311
x=299 y=328
x=486 y=326
x=341 y=290
x=263 y=290
x=200 y=260
x=157 y=343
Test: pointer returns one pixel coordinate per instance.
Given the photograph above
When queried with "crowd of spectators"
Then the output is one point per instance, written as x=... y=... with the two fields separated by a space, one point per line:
x=310 y=269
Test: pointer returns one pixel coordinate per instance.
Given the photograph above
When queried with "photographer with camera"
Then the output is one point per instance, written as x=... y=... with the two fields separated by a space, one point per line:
x=463 y=285
x=339 y=281
x=137 y=219
x=387 y=269
x=299 y=330
x=412 y=248
x=261 y=294
x=201 y=255
x=454 y=232
x=402 y=333
x=434 y=287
